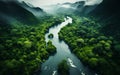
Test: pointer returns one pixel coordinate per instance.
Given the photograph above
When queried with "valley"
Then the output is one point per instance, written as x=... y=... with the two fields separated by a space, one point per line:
x=60 y=39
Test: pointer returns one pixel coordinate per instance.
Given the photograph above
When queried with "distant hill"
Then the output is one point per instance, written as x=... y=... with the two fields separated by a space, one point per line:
x=81 y=8
x=14 y=10
x=108 y=9
x=109 y=12
x=37 y=11
x=71 y=8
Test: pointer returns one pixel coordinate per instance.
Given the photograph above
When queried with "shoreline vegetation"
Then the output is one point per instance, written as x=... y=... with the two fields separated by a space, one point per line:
x=23 y=47
x=92 y=47
x=63 y=68
x=94 y=37
x=50 y=35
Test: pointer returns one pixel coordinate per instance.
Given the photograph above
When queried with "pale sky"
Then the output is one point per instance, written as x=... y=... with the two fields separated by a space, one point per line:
x=40 y=3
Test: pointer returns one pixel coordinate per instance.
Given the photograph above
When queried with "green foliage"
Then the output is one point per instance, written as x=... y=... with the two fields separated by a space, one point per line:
x=93 y=62
x=117 y=47
x=51 y=48
x=80 y=41
x=92 y=41
x=23 y=47
x=50 y=35
x=63 y=68
x=27 y=44
x=91 y=46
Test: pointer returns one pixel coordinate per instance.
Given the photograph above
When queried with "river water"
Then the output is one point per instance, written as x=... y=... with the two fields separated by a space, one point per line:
x=49 y=67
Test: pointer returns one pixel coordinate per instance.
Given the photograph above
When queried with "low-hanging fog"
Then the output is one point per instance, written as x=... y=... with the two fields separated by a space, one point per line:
x=41 y=3
x=52 y=6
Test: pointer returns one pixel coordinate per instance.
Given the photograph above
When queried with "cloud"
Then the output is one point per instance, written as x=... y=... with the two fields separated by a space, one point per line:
x=40 y=3
x=92 y=2
x=47 y=2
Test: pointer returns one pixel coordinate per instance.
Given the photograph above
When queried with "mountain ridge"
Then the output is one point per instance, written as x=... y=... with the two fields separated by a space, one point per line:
x=13 y=8
x=109 y=13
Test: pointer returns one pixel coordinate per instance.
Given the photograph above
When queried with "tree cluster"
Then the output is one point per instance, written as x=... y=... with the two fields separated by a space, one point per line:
x=95 y=49
x=23 y=47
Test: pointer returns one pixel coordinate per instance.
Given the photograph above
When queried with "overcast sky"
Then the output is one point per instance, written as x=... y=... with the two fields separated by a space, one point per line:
x=40 y=3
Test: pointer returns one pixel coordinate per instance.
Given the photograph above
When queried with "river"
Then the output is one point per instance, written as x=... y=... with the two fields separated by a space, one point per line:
x=49 y=67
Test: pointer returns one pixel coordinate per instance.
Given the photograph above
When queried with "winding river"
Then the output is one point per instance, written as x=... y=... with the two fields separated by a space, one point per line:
x=49 y=67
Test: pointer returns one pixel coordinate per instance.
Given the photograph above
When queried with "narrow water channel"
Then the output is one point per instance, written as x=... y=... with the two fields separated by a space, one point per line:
x=63 y=52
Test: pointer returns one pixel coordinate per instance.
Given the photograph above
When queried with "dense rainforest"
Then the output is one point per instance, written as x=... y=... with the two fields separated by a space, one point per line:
x=93 y=36
x=22 y=41
x=95 y=39
x=94 y=48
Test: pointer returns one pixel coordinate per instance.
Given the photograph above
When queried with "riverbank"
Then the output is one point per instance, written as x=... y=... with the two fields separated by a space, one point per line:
x=63 y=52
x=92 y=47
x=23 y=47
